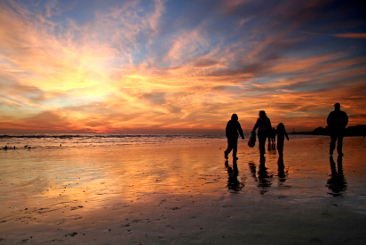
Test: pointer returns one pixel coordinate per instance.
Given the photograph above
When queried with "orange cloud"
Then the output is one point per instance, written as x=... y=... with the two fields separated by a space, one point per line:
x=146 y=68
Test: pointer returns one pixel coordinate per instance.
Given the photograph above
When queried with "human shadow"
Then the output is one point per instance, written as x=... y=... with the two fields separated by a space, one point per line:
x=233 y=182
x=265 y=180
x=253 y=170
x=282 y=175
x=336 y=182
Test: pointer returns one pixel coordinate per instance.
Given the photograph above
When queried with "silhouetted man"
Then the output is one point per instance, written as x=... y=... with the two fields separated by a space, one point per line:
x=232 y=129
x=337 y=122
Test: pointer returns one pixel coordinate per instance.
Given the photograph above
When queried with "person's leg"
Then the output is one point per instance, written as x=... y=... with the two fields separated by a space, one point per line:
x=332 y=144
x=229 y=148
x=280 y=147
x=262 y=136
x=340 y=145
x=234 y=146
x=235 y=149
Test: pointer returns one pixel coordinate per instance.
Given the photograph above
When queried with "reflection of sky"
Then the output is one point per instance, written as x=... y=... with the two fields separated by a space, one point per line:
x=162 y=66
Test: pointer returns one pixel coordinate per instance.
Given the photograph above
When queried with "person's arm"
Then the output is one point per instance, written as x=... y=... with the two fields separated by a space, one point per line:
x=227 y=130
x=255 y=126
x=286 y=134
x=240 y=131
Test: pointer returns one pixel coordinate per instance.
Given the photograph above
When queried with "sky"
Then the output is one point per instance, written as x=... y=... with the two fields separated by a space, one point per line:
x=179 y=66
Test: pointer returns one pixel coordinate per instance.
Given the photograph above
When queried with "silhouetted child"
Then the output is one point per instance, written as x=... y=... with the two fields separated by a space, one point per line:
x=281 y=134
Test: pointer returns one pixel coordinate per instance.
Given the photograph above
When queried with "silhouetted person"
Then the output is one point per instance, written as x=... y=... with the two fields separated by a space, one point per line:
x=337 y=183
x=337 y=122
x=233 y=129
x=281 y=134
x=272 y=136
x=264 y=128
x=269 y=145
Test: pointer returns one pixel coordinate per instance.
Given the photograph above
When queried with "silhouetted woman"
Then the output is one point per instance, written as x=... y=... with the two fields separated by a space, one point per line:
x=264 y=128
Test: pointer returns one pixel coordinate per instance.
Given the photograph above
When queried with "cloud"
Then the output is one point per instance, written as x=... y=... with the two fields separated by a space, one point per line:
x=351 y=35
x=127 y=66
x=205 y=63
x=154 y=98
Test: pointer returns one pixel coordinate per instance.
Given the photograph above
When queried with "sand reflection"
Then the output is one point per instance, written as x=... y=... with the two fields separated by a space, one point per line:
x=336 y=183
x=164 y=192
x=233 y=182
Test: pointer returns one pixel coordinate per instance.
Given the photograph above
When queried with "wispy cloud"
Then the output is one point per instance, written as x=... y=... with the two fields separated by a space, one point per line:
x=351 y=35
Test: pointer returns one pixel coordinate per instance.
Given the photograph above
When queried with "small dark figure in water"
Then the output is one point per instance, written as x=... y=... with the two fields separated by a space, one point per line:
x=281 y=134
x=233 y=129
x=264 y=128
x=337 y=121
x=272 y=136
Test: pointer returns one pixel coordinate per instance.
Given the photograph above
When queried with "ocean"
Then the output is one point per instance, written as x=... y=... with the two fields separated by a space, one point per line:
x=53 y=140
x=178 y=189
x=83 y=140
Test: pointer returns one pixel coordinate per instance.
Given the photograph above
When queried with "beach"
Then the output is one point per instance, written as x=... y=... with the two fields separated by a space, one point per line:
x=184 y=192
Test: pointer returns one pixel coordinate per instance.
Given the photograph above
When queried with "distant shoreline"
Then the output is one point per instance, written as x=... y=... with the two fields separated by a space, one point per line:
x=358 y=130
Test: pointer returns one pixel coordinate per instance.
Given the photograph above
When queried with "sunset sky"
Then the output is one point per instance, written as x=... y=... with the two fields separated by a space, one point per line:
x=179 y=66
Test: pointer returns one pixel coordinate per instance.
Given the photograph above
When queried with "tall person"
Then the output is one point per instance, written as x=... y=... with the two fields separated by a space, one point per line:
x=233 y=129
x=337 y=121
x=264 y=128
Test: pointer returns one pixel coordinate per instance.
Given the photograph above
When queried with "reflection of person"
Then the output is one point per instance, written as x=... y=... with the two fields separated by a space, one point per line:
x=253 y=170
x=263 y=177
x=232 y=129
x=337 y=121
x=233 y=182
x=264 y=128
x=281 y=170
x=281 y=134
x=336 y=183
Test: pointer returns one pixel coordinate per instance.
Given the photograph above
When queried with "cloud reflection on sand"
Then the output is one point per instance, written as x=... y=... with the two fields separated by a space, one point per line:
x=167 y=192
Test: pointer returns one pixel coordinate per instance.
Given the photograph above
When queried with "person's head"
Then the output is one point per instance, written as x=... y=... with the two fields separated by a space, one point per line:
x=280 y=126
x=337 y=106
x=234 y=117
x=262 y=114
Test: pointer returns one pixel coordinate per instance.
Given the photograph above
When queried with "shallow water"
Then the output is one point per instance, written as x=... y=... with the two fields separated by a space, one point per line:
x=56 y=191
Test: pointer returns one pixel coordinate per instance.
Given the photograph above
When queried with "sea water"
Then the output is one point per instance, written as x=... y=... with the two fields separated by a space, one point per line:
x=60 y=184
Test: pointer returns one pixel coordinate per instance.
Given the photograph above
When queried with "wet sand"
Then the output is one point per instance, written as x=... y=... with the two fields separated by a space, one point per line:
x=184 y=194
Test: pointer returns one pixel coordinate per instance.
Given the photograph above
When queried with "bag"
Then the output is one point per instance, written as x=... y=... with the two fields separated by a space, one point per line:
x=251 y=142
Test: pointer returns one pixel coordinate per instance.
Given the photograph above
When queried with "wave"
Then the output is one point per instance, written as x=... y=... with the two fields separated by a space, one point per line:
x=69 y=136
